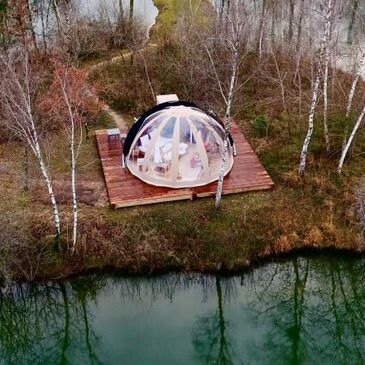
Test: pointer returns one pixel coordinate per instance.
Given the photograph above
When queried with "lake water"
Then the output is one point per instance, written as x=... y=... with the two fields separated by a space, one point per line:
x=300 y=311
x=142 y=9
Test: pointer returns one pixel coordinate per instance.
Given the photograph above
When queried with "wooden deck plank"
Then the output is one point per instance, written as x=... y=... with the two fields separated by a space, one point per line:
x=126 y=190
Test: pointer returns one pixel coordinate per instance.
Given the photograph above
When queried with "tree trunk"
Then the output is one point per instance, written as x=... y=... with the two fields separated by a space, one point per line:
x=325 y=101
x=26 y=169
x=350 y=33
x=30 y=25
x=33 y=142
x=329 y=21
x=351 y=95
x=121 y=14
x=359 y=68
x=303 y=155
x=44 y=37
x=291 y=18
x=16 y=99
x=261 y=28
x=73 y=188
x=63 y=22
x=57 y=15
x=273 y=24
x=350 y=140
x=282 y=31
x=47 y=180
x=218 y=196
x=315 y=93
x=300 y=25
x=221 y=10
x=227 y=119
x=131 y=10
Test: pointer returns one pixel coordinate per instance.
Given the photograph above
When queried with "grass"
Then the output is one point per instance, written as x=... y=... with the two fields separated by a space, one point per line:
x=314 y=212
x=166 y=19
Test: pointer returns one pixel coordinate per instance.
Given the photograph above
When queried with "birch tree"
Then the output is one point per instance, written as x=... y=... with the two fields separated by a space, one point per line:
x=350 y=140
x=328 y=24
x=18 y=88
x=231 y=35
x=67 y=102
x=316 y=85
x=359 y=69
x=350 y=32
x=300 y=25
x=262 y=28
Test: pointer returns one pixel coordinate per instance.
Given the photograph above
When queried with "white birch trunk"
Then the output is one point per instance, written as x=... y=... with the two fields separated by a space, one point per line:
x=73 y=187
x=300 y=24
x=63 y=21
x=351 y=95
x=261 y=28
x=350 y=140
x=73 y=156
x=35 y=146
x=315 y=92
x=261 y=37
x=218 y=196
x=328 y=30
x=303 y=155
x=325 y=101
x=227 y=118
x=358 y=71
x=16 y=98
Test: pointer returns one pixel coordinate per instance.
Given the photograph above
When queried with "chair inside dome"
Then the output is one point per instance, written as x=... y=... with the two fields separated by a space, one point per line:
x=177 y=145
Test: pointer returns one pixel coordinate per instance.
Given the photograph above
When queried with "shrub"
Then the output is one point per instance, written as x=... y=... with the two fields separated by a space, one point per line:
x=260 y=126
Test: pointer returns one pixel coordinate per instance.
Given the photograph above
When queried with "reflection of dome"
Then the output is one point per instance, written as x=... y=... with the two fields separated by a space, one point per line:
x=176 y=144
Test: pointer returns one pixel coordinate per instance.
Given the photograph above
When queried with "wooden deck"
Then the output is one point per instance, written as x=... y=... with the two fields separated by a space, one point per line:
x=125 y=190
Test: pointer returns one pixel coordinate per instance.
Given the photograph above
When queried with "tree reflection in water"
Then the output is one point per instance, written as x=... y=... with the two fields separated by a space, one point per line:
x=313 y=309
x=47 y=323
x=303 y=310
x=211 y=338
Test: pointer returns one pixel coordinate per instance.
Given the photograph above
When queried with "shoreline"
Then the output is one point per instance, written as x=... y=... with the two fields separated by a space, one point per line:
x=249 y=266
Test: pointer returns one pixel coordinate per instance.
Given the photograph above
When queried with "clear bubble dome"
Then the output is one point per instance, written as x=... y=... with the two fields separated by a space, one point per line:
x=179 y=146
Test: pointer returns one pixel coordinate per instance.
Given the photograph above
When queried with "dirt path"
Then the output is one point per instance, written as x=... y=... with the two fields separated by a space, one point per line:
x=117 y=117
x=114 y=59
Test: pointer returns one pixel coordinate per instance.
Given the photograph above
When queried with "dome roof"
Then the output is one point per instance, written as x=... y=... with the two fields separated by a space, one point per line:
x=176 y=144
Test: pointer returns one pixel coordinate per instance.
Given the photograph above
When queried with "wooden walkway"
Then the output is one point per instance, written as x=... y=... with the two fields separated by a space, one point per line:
x=126 y=190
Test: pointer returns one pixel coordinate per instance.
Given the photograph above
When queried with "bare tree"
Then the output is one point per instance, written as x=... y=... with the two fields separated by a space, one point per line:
x=315 y=92
x=300 y=24
x=328 y=21
x=350 y=140
x=18 y=87
x=262 y=27
x=350 y=33
x=231 y=35
x=67 y=102
x=359 y=65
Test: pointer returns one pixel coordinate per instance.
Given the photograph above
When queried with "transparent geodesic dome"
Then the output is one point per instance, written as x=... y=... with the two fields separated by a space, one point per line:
x=177 y=145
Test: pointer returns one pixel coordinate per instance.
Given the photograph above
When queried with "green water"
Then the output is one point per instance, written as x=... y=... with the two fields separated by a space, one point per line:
x=301 y=311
